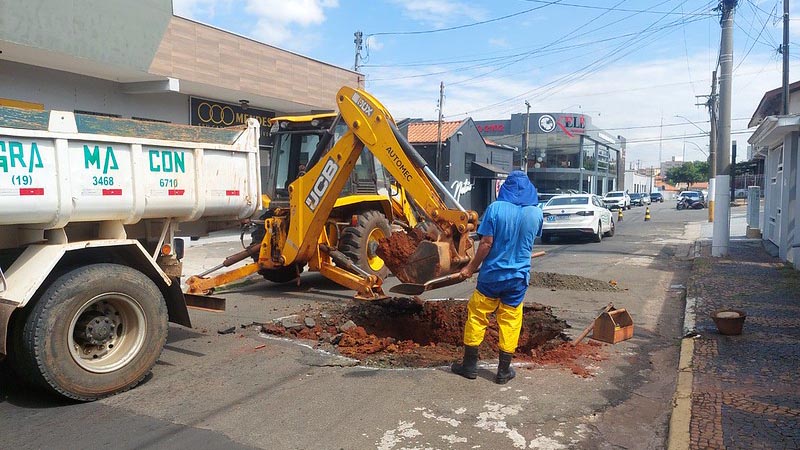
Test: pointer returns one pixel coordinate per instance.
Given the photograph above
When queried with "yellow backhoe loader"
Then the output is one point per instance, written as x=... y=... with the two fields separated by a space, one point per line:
x=329 y=205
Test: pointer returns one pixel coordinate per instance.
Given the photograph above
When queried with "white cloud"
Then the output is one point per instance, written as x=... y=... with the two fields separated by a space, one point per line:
x=198 y=9
x=373 y=44
x=439 y=12
x=498 y=42
x=617 y=96
x=277 y=21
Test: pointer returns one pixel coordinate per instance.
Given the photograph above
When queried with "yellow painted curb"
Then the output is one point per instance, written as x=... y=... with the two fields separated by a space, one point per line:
x=679 y=423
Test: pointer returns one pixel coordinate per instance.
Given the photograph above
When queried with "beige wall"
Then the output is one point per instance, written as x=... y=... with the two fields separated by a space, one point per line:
x=198 y=53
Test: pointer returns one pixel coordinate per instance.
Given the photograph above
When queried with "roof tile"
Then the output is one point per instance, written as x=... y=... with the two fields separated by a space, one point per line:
x=423 y=132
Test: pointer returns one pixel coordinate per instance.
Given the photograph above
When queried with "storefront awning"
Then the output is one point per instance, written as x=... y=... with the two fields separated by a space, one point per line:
x=486 y=170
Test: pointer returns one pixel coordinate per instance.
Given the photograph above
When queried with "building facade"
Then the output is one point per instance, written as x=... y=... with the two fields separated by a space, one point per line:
x=776 y=142
x=564 y=151
x=637 y=181
x=137 y=60
x=469 y=167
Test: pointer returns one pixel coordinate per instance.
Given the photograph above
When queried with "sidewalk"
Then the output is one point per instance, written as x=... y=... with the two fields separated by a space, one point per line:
x=740 y=391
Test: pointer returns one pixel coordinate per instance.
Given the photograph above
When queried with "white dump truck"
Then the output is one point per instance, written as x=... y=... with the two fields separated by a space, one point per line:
x=89 y=262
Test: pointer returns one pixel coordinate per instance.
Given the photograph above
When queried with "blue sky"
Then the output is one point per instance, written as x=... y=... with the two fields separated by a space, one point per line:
x=628 y=63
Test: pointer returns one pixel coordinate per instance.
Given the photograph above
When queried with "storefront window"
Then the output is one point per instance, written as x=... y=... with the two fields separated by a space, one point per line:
x=554 y=151
x=589 y=149
x=603 y=156
x=612 y=163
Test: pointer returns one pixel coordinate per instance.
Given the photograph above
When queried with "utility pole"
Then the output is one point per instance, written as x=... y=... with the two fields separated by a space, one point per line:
x=439 y=164
x=712 y=146
x=526 y=137
x=785 y=52
x=660 y=143
x=722 y=217
x=358 y=41
x=733 y=170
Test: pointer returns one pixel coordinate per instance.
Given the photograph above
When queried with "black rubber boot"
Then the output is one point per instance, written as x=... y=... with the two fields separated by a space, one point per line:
x=505 y=372
x=469 y=366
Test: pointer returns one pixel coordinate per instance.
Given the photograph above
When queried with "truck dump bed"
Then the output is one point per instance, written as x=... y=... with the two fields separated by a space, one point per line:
x=58 y=167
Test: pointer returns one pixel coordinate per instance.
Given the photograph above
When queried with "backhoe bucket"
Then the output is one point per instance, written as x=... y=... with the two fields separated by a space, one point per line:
x=413 y=260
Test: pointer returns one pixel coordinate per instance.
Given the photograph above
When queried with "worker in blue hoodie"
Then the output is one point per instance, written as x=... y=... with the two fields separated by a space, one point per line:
x=507 y=231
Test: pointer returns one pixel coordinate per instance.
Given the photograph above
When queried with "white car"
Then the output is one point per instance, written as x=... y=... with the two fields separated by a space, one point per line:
x=617 y=200
x=577 y=215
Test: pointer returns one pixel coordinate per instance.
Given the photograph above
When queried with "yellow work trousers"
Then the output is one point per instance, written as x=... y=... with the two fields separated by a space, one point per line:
x=509 y=321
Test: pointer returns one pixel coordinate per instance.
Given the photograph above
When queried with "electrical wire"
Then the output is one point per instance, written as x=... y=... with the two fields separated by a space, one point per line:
x=575 y=5
x=763 y=27
x=461 y=27
x=579 y=73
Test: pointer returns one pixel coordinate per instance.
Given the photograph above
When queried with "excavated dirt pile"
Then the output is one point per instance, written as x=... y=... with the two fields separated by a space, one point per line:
x=402 y=332
x=560 y=281
x=396 y=250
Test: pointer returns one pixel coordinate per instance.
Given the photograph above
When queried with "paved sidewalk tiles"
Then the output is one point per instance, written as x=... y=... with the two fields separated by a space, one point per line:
x=746 y=389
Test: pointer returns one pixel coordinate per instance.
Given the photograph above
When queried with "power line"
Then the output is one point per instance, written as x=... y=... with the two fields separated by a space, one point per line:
x=763 y=27
x=586 y=69
x=680 y=137
x=576 y=5
x=521 y=56
x=665 y=125
x=460 y=27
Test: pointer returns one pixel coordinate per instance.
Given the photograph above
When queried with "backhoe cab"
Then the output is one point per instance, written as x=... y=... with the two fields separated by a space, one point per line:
x=338 y=185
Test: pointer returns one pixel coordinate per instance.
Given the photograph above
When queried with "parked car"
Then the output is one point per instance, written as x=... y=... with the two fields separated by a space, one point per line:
x=640 y=199
x=617 y=200
x=577 y=215
x=657 y=197
x=543 y=198
x=693 y=195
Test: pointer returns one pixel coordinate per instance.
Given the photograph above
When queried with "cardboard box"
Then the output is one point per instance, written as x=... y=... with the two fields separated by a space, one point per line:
x=614 y=326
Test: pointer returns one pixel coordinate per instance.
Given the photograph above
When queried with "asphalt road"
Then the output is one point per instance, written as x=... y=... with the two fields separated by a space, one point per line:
x=242 y=390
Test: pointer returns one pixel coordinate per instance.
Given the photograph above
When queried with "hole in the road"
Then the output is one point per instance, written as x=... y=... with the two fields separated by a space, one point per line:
x=401 y=332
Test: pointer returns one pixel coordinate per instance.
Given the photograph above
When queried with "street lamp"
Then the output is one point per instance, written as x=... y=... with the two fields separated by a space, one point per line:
x=698 y=147
x=695 y=125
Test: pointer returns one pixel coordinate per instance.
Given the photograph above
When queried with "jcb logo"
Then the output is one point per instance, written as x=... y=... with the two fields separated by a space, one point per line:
x=322 y=184
x=366 y=107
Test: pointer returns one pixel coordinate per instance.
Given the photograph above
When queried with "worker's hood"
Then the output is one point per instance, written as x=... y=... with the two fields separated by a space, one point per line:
x=518 y=190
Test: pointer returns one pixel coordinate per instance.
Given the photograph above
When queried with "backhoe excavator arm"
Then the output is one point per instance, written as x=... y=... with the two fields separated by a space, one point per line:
x=313 y=195
x=296 y=237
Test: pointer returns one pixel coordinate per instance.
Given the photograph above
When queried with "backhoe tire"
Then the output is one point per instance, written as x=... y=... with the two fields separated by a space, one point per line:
x=96 y=331
x=282 y=275
x=360 y=242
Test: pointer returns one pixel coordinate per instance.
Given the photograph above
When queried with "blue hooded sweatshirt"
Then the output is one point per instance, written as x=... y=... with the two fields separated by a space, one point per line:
x=513 y=221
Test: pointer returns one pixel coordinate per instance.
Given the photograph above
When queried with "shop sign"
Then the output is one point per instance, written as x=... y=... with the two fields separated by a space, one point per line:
x=209 y=113
x=569 y=124
x=492 y=127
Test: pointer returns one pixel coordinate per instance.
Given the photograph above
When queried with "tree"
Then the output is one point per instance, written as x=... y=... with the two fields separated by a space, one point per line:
x=690 y=172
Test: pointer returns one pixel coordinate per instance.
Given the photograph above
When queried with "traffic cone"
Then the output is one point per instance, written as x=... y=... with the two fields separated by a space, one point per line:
x=647 y=214
x=619 y=215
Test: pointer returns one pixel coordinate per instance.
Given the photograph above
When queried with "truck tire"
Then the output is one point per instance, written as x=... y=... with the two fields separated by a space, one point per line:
x=96 y=331
x=360 y=242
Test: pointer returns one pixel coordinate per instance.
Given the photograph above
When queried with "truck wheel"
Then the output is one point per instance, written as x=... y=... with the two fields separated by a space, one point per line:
x=360 y=242
x=96 y=331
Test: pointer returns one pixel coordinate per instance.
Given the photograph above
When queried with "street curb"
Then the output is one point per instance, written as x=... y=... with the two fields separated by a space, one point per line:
x=680 y=420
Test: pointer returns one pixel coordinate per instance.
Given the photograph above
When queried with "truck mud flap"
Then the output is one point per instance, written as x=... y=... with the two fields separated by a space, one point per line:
x=205 y=302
